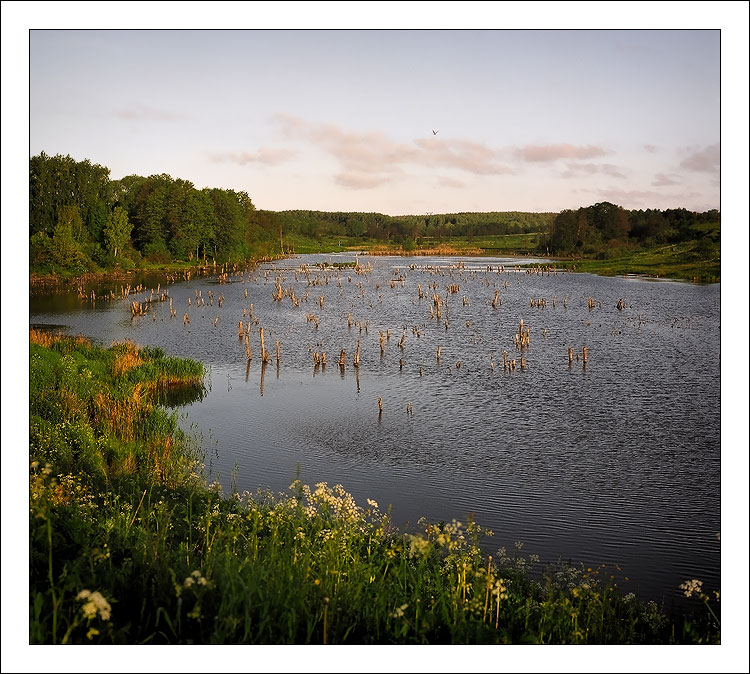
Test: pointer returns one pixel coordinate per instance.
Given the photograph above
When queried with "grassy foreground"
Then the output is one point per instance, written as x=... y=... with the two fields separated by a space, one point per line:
x=129 y=545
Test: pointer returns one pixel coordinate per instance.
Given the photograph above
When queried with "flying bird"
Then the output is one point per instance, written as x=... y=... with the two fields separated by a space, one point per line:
x=434 y=133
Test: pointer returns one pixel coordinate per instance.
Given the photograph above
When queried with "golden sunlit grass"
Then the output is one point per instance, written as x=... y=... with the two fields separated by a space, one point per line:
x=47 y=338
x=127 y=357
x=440 y=249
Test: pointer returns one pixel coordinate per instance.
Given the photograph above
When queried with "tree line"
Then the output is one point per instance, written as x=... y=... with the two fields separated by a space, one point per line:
x=79 y=218
x=589 y=229
x=411 y=228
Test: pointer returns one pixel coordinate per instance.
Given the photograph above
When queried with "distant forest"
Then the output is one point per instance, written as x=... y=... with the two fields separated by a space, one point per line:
x=82 y=220
x=411 y=228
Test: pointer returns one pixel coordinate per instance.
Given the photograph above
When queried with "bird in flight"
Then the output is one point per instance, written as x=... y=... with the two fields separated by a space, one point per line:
x=434 y=133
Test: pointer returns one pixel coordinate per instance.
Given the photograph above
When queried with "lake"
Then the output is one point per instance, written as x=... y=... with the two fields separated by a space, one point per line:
x=615 y=461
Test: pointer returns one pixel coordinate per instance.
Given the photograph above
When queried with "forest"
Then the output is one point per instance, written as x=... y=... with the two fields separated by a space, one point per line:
x=409 y=229
x=592 y=229
x=81 y=220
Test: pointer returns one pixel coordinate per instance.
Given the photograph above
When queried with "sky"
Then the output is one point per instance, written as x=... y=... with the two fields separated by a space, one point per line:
x=332 y=106
x=346 y=120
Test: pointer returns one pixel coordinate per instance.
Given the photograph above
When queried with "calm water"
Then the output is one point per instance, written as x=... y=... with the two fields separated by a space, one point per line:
x=617 y=462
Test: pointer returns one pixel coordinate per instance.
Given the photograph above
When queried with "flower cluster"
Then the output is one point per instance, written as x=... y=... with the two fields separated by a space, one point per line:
x=417 y=545
x=399 y=612
x=692 y=587
x=95 y=604
x=499 y=589
x=196 y=577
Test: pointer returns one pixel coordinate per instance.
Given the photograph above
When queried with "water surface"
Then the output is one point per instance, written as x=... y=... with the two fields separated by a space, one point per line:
x=614 y=462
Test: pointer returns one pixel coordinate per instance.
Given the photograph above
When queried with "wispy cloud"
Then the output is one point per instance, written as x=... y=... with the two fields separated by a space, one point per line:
x=444 y=181
x=264 y=155
x=641 y=198
x=460 y=154
x=369 y=159
x=706 y=159
x=368 y=152
x=146 y=113
x=651 y=148
x=550 y=153
x=664 y=180
x=575 y=170
x=360 y=181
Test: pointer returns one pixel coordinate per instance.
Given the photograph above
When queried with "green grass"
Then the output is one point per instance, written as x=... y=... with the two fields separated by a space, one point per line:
x=699 y=259
x=129 y=545
x=302 y=245
x=689 y=260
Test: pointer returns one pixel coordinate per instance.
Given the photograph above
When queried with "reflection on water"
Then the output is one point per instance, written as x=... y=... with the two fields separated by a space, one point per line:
x=179 y=396
x=614 y=460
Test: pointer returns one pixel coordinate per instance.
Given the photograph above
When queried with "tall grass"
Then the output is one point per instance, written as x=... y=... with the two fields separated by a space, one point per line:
x=129 y=545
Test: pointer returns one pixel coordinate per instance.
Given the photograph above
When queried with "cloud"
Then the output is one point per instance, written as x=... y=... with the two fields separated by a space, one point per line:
x=358 y=181
x=143 y=112
x=708 y=159
x=369 y=159
x=369 y=152
x=663 y=180
x=642 y=198
x=461 y=154
x=444 y=181
x=264 y=155
x=651 y=148
x=575 y=170
x=549 y=153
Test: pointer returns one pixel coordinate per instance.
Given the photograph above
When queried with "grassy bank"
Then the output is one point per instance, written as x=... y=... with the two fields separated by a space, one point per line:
x=128 y=544
x=698 y=260
x=679 y=261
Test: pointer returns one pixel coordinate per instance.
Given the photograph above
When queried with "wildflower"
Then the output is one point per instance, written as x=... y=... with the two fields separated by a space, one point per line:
x=202 y=581
x=518 y=545
x=188 y=582
x=95 y=603
x=372 y=503
x=196 y=574
x=92 y=633
x=399 y=612
x=692 y=587
x=418 y=545
x=628 y=597
x=500 y=590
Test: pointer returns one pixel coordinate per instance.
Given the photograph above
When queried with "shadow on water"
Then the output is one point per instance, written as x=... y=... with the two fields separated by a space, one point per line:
x=179 y=396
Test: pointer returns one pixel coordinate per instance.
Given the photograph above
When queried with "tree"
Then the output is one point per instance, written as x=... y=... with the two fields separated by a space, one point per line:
x=564 y=230
x=65 y=249
x=117 y=230
x=55 y=182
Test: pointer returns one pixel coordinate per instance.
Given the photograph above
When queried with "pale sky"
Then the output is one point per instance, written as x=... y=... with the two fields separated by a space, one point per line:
x=531 y=120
